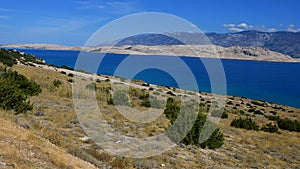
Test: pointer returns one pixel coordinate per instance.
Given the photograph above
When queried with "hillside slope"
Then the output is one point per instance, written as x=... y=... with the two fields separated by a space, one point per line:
x=58 y=123
x=20 y=148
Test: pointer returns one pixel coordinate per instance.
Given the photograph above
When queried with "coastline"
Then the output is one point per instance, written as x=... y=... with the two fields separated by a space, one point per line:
x=200 y=51
x=139 y=85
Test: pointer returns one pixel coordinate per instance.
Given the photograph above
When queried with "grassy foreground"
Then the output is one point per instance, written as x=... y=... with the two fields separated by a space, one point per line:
x=50 y=135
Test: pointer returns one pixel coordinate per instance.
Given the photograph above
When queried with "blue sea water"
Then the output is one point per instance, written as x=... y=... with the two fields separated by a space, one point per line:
x=274 y=82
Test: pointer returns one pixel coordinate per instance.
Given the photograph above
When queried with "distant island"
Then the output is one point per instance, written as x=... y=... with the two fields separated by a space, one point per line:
x=247 y=45
x=202 y=51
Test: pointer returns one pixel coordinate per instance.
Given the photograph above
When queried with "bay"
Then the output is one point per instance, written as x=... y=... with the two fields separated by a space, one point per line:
x=276 y=82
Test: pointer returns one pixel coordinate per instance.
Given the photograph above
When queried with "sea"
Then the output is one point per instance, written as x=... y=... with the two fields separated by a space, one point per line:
x=275 y=82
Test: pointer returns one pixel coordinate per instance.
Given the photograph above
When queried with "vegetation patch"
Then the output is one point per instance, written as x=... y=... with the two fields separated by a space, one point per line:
x=15 y=89
x=213 y=134
x=246 y=123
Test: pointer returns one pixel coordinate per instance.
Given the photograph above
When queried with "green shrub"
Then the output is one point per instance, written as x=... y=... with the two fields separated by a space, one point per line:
x=242 y=112
x=9 y=57
x=258 y=103
x=98 y=81
x=57 y=83
x=218 y=113
x=171 y=93
x=110 y=101
x=287 y=124
x=172 y=110
x=258 y=112
x=224 y=115
x=144 y=96
x=273 y=118
x=70 y=80
x=146 y=103
x=270 y=128
x=15 y=89
x=246 y=123
x=229 y=103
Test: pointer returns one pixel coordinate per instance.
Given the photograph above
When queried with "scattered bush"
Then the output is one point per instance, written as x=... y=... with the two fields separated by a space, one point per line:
x=144 y=96
x=229 y=103
x=71 y=75
x=10 y=57
x=242 y=112
x=110 y=101
x=287 y=124
x=15 y=89
x=258 y=112
x=258 y=103
x=70 y=80
x=171 y=93
x=224 y=115
x=57 y=83
x=219 y=113
x=211 y=140
x=246 y=123
x=272 y=118
x=146 y=103
x=146 y=84
x=270 y=128
x=98 y=81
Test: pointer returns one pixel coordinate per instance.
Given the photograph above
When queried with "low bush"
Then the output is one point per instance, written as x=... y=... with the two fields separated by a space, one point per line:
x=258 y=112
x=258 y=103
x=272 y=118
x=211 y=136
x=270 y=128
x=56 y=83
x=246 y=123
x=219 y=113
x=15 y=89
x=171 y=93
x=146 y=103
x=287 y=124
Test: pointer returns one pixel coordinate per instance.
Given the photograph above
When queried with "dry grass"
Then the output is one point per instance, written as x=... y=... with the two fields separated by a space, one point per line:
x=60 y=126
x=21 y=148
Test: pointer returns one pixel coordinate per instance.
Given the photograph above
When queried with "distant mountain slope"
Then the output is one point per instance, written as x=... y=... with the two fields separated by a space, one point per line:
x=149 y=40
x=283 y=42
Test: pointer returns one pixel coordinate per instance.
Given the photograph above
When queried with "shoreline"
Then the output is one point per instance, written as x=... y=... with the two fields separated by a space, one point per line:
x=130 y=83
x=206 y=52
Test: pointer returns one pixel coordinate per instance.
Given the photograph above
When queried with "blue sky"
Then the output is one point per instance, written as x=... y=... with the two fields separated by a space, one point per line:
x=72 y=22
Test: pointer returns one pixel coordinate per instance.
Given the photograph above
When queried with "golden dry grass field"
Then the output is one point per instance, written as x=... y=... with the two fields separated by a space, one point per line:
x=50 y=136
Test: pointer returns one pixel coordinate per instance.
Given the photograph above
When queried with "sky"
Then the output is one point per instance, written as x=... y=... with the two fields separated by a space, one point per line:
x=72 y=22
